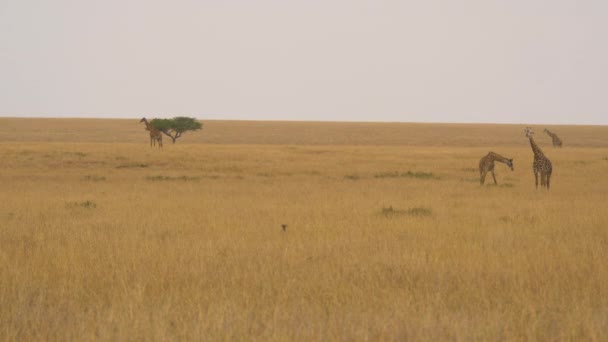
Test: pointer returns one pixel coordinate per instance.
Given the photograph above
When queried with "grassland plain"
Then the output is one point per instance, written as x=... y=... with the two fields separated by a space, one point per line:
x=389 y=234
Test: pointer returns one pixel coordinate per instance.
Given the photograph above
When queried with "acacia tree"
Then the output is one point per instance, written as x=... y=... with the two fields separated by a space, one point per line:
x=176 y=127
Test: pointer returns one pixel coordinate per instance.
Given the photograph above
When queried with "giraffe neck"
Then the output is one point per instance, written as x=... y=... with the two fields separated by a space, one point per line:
x=551 y=134
x=149 y=127
x=498 y=157
x=537 y=151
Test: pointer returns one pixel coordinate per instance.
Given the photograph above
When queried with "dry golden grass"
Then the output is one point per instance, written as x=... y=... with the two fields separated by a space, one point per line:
x=102 y=237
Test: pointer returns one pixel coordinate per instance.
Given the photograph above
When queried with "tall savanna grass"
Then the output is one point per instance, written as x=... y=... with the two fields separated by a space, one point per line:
x=389 y=234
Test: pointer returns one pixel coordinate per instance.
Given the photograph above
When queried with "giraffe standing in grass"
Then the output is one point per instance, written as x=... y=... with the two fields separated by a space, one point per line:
x=541 y=163
x=486 y=164
x=557 y=142
x=155 y=134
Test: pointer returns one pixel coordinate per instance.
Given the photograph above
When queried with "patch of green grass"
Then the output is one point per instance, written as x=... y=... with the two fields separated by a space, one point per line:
x=169 y=178
x=416 y=211
x=408 y=174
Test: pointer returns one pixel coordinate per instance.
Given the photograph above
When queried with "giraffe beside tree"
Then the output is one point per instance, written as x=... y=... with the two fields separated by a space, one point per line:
x=155 y=134
x=541 y=163
x=557 y=142
x=486 y=164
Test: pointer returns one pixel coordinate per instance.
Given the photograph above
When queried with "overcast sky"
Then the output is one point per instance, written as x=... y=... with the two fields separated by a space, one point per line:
x=515 y=61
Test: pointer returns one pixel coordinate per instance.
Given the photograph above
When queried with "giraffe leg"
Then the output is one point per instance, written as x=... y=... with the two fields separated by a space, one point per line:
x=536 y=179
x=543 y=179
x=482 y=178
x=548 y=180
x=493 y=176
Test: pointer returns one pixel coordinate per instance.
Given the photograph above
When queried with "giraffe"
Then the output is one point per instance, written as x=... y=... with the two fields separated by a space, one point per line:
x=155 y=134
x=557 y=142
x=541 y=163
x=486 y=164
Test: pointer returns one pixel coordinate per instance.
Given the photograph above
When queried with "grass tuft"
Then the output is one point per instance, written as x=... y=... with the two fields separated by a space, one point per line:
x=408 y=174
x=94 y=178
x=76 y=154
x=169 y=178
x=416 y=211
x=132 y=166
x=86 y=204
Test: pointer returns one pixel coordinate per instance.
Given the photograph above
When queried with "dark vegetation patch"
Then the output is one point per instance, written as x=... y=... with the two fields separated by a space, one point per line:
x=169 y=178
x=75 y=154
x=518 y=219
x=506 y=185
x=352 y=177
x=284 y=174
x=132 y=166
x=416 y=211
x=408 y=174
x=93 y=178
x=86 y=204
x=505 y=219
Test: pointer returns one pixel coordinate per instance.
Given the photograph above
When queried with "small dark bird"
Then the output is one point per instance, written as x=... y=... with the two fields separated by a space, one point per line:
x=284 y=226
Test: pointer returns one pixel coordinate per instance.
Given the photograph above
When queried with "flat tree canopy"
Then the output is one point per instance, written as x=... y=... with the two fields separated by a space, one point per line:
x=177 y=126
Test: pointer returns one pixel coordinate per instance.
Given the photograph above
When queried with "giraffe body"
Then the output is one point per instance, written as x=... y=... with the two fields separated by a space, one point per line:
x=557 y=142
x=155 y=135
x=486 y=164
x=541 y=165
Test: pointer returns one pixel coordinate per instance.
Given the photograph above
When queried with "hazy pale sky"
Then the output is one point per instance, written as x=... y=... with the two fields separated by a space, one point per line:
x=519 y=61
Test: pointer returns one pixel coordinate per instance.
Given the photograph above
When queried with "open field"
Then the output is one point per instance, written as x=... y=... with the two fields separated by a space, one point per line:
x=389 y=236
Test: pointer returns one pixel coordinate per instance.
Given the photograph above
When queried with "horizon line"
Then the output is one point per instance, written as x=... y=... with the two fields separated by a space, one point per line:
x=312 y=121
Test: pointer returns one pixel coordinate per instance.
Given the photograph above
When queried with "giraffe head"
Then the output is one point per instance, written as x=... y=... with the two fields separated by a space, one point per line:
x=143 y=120
x=510 y=163
x=529 y=132
x=546 y=130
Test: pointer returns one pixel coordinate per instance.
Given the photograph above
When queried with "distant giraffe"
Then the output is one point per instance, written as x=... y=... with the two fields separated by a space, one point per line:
x=486 y=164
x=557 y=142
x=155 y=134
x=541 y=163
